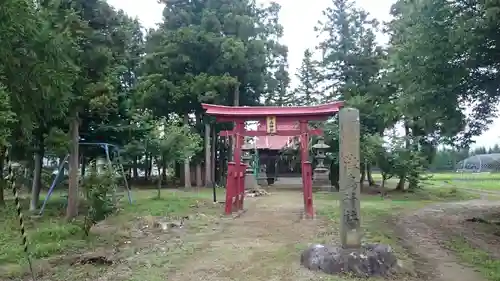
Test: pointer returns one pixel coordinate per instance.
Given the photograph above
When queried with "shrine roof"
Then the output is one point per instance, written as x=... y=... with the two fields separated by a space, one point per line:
x=274 y=142
x=263 y=111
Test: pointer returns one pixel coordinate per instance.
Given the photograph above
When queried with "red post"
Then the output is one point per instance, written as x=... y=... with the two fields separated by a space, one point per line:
x=304 y=158
x=236 y=184
x=236 y=201
x=238 y=142
x=309 y=210
x=304 y=184
x=230 y=188
x=241 y=192
x=238 y=139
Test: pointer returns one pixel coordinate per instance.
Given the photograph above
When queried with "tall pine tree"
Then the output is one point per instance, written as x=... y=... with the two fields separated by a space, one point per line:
x=351 y=68
x=308 y=92
x=279 y=93
x=352 y=63
x=345 y=28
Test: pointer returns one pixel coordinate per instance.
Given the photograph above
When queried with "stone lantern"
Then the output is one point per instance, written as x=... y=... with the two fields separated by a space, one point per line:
x=246 y=157
x=321 y=174
x=250 y=182
x=262 y=175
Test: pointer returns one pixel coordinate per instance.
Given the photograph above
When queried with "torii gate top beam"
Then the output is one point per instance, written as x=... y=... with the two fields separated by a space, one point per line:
x=247 y=113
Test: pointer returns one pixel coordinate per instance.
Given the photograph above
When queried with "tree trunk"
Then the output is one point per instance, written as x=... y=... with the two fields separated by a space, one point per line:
x=369 y=175
x=401 y=183
x=208 y=157
x=146 y=166
x=334 y=175
x=159 y=182
x=150 y=165
x=37 y=176
x=30 y=167
x=72 y=206
x=164 y=167
x=383 y=192
x=84 y=166
x=363 y=175
x=187 y=173
x=223 y=153
x=187 y=170
x=135 y=171
x=402 y=176
x=199 y=179
x=164 y=172
x=3 y=183
x=61 y=159
x=178 y=172
x=213 y=164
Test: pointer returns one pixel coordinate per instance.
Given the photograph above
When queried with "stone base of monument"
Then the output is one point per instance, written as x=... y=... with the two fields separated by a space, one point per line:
x=369 y=260
x=322 y=185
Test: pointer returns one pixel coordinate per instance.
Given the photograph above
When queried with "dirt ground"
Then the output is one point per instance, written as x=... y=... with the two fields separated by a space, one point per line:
x=262 y=244
x=426 y=232
x=259 y=245
x=266 y=241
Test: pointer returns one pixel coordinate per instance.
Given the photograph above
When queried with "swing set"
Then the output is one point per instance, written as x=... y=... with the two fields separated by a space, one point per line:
x=111 y=152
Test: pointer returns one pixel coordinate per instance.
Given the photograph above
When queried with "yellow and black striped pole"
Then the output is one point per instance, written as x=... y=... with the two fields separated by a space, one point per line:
x=12 y=179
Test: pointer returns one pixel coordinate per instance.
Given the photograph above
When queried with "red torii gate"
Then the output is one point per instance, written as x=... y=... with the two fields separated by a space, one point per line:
x=271 y=116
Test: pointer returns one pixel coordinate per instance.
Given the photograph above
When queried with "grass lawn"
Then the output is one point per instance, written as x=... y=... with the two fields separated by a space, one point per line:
x=455 y=176
x=375 y=210
x=51 y=235
x=465 y=176
x=489 y=267
x=479 y=181
x=490 y=185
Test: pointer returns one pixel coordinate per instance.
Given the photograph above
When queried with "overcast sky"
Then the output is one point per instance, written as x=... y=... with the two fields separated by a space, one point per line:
x=298 y=19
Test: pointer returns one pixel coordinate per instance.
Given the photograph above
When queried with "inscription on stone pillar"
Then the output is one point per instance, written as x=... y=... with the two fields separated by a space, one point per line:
x=350 y=232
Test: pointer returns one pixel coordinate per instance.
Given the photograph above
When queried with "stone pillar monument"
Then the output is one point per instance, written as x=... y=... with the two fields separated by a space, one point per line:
x=350 y=229
x=352 y=257
x=321 y=174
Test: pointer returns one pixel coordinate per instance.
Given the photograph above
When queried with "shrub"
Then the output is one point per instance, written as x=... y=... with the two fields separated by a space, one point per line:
x=100 y=194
